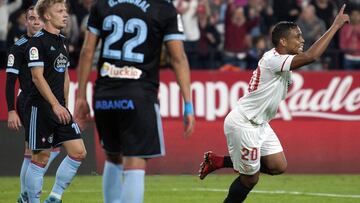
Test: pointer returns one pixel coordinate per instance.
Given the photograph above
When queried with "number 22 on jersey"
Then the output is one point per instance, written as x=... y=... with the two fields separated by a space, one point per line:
x=118 y=27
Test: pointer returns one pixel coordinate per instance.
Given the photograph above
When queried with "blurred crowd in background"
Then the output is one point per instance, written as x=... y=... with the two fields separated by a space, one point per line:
x=220 y=34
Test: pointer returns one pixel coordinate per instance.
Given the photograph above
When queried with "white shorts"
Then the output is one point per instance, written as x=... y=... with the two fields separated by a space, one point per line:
x=248 y=142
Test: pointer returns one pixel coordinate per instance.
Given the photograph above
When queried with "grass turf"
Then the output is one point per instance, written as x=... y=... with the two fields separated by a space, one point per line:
x=189 y=189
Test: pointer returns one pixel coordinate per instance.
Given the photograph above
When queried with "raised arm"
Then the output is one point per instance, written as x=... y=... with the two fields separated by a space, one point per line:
x=318 y=48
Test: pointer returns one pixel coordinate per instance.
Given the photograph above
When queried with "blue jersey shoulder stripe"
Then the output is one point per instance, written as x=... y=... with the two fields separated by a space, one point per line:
x=38 y=34
x=21 y=41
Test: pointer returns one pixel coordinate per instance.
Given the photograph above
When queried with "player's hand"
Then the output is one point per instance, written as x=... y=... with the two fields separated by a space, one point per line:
x=341 y=18
x=189 y=119
x=62 y=114
x=14 y=122
x=189 y=123
x=82 y=112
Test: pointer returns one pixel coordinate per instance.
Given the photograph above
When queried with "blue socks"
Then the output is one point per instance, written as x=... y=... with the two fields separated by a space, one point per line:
x=34 y=181
x=53 y=155
x=112 y=182
x=24 y=167
x=64 y=175
x=133 y=186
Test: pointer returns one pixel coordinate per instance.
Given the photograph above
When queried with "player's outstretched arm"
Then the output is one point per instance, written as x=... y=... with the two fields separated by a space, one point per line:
x=182 y=71
x=82 y=110
x=318 y=48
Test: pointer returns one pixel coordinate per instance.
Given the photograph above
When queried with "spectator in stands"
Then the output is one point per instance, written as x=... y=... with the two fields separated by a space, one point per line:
x=217 y=11
x=207 y=52
x=82 y=8
x=325 y=10
x=286 y=10
x=350 y=41
x=256 y=52
x=5 y=10
x=71 y=32
x=17 y=29
x=267 y=18
x=312 y=28
x=237 y=40
x=187 y=9
x=257 y=6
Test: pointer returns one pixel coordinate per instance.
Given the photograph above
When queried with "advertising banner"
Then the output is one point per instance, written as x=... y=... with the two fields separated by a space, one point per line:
x=318 y=123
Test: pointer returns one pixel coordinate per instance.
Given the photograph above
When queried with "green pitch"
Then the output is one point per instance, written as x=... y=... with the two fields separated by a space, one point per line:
x=189 y=189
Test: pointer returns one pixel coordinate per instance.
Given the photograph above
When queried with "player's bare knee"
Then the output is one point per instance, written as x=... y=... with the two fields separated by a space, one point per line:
x=279 y=169
x=282 y=168
x=41 y=157
x=78 y=155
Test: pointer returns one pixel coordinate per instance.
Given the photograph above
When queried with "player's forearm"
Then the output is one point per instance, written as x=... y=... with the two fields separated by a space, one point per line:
x=182 y=72
x=85 y=63
x=84 y=69
x=318 y=48
x=44 y=89
x=10 y=91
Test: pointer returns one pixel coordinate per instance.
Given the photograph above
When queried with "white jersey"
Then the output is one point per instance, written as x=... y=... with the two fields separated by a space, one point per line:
x=267 y=87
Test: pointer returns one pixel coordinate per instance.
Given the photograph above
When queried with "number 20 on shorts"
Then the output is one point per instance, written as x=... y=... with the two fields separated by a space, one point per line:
x=249 y=154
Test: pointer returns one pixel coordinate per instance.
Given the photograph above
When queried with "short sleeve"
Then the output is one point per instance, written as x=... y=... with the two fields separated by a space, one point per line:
x=94 y=22
x=14 y=60
x=280 y=63
x=173 y=28
x=34 y=53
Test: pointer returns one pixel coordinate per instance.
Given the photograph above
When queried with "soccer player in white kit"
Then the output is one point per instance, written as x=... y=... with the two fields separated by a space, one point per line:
x=250 y=138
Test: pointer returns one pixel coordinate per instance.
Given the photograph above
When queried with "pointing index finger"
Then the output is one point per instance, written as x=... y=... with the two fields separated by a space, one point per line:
x=342 y=9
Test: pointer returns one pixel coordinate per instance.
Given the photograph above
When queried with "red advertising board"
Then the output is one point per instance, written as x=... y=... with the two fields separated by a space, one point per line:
x=318 y=123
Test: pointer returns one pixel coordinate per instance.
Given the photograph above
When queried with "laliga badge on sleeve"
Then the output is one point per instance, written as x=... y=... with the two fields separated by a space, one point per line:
x=11 y=60
x=34 y=53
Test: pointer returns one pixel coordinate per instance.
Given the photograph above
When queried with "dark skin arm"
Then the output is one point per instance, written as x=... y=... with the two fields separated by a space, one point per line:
x=318 y=48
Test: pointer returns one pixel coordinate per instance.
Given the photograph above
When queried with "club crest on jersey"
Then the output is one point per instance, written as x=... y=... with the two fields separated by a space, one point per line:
x=34 y=53
x=11 y=60
x=60 y=63
x=126 y=72
x=51 y=138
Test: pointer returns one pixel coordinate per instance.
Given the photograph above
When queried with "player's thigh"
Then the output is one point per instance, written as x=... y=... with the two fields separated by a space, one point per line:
x=274 y=164
x=272 y=154
x=244 y=147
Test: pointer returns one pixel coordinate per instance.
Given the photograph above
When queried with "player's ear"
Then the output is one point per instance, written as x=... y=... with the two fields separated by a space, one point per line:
x=47 y=16
x=283 y=42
